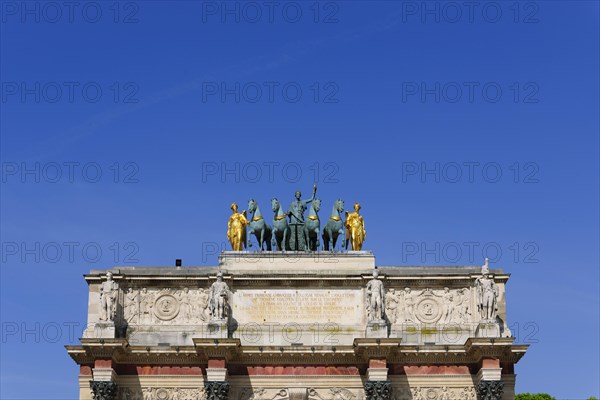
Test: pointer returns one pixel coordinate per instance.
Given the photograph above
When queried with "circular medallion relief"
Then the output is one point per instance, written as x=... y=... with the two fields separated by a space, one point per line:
x=428 y=310
x=162 y=394
x=166 y=307
x=431 y=394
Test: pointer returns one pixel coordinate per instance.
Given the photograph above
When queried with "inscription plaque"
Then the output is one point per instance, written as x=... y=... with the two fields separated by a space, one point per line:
x=341 y=306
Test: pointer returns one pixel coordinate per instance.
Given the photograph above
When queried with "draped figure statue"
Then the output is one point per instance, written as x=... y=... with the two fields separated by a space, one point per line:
x=355 y=228
x=236 y=228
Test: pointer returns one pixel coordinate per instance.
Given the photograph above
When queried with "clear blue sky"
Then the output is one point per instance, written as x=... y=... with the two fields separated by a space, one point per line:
x=184 y=107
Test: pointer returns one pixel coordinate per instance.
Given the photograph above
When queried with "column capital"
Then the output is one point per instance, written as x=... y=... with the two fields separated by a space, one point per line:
x=490 y=390
x=216 y=390
x=104 y=390
x=378 y=390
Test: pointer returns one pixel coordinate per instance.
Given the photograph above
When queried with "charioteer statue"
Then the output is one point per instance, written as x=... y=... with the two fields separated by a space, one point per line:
x=296 y=224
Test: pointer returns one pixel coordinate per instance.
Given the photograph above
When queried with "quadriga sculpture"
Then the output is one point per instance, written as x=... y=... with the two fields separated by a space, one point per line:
x=258 y=226
x=312 y=226
x=281 y=229
x=334 y=227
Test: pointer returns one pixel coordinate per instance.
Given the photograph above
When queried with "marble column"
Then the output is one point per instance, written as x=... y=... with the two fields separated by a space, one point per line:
x=216 y=385
x=377 y=370
x=489 y=380
x=378 y=390
x=104 y=390
x=216 y=390
x=490 y=390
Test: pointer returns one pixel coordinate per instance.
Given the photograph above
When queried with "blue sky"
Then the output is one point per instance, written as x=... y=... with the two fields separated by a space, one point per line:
x=128 y=128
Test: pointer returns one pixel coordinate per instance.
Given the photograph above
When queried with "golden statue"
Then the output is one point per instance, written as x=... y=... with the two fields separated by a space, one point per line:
x=355 y=228
x=236 y=228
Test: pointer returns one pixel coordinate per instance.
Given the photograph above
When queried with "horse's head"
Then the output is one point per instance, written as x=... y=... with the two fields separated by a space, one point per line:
x=251 y=205
x=316 y=204
x=274 y=204
x=339 y=205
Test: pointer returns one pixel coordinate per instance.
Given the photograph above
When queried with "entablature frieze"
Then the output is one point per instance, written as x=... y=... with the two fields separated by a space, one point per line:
x=201 y=276
x=472 y=352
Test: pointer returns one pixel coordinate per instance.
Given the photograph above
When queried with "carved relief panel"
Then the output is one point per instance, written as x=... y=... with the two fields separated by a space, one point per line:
x=165 y=306
x=429 y=306
x=152 y=393
x=433 y=393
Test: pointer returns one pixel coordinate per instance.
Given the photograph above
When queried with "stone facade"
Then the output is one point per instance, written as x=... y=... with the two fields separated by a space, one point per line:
x=287 y=326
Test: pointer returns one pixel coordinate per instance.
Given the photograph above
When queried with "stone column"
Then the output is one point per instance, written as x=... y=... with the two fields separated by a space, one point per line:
x=104 y=386
x=378 y=390
x=216 y=386
x=217 y=370
x=216 y=390
x=104 y=390
x=377 y=386
x=490 y=390
x=489 y=377
x=377 y=370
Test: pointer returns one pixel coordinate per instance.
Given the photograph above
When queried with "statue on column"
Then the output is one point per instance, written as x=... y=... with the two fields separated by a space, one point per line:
x=375 y=299
x=236 y=228
x=218 y=299
x=296 y=224
x=108 y=298
x=355 y=228
x=487 y=294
